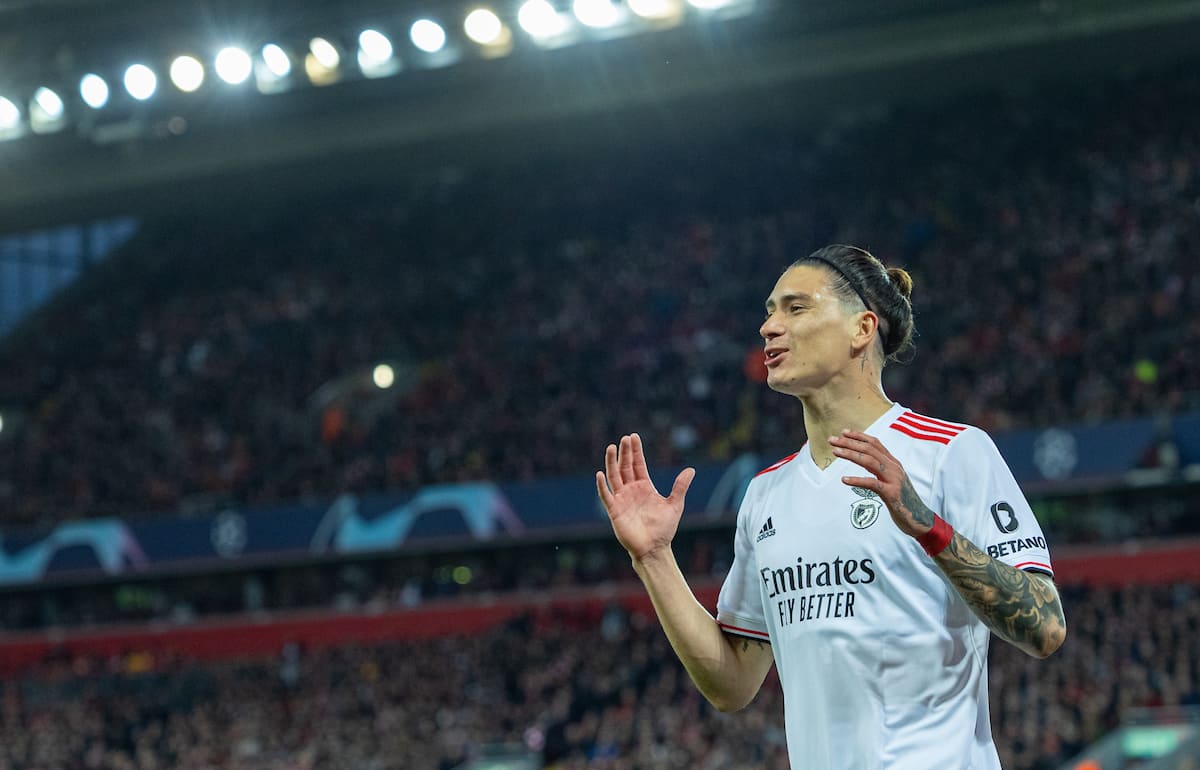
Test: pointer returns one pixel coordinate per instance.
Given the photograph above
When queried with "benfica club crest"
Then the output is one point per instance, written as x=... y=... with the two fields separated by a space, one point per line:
x=864 y=512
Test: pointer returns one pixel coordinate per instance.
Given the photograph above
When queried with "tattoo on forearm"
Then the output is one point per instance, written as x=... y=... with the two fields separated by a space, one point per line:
x=1018 y=607
x=912 y=501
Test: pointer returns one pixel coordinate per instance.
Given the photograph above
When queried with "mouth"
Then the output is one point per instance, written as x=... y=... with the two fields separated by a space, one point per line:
x=774 y=356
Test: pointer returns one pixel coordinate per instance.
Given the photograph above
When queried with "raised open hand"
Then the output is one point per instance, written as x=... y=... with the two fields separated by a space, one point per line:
x=888 y=480
x=643 y=520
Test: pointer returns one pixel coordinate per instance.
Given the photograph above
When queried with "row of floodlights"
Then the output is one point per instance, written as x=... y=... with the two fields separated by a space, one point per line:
x=376 y=55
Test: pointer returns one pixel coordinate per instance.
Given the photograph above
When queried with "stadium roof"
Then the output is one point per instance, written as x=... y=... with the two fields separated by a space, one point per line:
x=782 y=61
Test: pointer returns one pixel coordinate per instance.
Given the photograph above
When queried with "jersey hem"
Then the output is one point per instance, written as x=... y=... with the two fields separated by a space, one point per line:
x=749 y=633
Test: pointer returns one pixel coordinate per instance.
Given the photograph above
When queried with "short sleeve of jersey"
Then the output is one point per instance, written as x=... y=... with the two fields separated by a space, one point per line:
x=981 y=499
x=739 y=605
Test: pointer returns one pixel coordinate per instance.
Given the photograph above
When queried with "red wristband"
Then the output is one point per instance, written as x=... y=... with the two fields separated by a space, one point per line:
x=935 y=540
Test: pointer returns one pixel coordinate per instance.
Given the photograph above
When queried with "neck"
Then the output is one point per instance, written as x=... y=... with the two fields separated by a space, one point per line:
x=829 y=413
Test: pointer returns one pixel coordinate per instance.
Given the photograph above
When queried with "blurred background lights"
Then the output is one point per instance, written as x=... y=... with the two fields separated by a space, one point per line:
x=656 y=9
x=384 y=376
x=483 y=26
x=325 y=52
x=277 y=62
x=94 y=91
x=10 y=115
x=187 y=73
x=49 y=103
x=598 y=14
x=540 y=19
x=46 y=111
x=708 y=5
x=428 y=35
x=374 y=45
x=140 y=82
x=322 y=63
x=233 y=65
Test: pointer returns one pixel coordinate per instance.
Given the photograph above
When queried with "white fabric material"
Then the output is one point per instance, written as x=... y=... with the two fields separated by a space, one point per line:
x=883 y=665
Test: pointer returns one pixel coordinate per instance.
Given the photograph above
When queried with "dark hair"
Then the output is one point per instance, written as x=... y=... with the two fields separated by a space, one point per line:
x=884 y=290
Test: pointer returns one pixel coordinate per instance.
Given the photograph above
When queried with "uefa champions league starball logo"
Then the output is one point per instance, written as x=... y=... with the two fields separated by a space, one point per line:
x=863 y=513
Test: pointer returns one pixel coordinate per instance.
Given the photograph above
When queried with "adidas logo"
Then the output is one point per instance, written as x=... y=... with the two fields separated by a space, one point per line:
x=767 y=530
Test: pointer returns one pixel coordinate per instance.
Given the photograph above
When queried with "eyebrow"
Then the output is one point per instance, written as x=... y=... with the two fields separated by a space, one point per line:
x=786 y=298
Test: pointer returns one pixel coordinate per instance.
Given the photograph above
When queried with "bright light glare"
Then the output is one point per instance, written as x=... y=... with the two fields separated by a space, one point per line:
x=50 y=103
x=596 y=13
x=384 y=376
x=428 y=35
x=140 y=82
x=277 y=61
x=233 y=65
x=10 y=116
x=94 y=91
x=708 y=5
x=325 y=53
x=483 y=26
x=374 y=46
x=540 y=20
x=187 y=73
x=654 y=9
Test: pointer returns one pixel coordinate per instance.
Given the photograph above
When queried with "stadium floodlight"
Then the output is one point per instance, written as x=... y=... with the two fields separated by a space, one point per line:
x=541 y=20
x=187 y=73
x=656 y=9
x=597 y=14
x=428 y=35
x=10 y=114
x=325 y=52
x=94 y=91
x=322 y=62
x=376 y=56
x=140 y=82
x=46 y=111
x=483 y=26
x=374 y=46
x=278 y=63
x=49 y=103
x=233 y=65
x=384 y=376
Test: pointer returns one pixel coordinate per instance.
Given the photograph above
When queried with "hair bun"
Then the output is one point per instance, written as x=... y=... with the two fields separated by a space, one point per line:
x=901 y=280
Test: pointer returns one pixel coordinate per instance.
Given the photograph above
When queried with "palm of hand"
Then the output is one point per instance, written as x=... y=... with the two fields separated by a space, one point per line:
x=643 y=520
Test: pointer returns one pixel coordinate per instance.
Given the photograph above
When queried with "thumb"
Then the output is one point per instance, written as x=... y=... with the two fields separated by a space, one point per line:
x=680 y=487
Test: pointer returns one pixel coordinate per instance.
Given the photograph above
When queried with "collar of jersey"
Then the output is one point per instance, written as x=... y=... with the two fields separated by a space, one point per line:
x=840 y=467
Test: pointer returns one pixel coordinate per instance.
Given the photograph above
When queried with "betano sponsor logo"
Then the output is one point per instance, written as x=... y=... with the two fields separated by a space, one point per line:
x=1009 y=547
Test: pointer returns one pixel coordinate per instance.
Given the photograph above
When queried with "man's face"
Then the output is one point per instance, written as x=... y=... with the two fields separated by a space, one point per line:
x=808 y=333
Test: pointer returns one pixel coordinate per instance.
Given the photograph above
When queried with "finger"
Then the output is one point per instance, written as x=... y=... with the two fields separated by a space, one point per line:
x=640 y=471
x=605 y=495
x=610 y=467
x=868 y=460
x=680 y=487
x=625 y=460
x=873 y=441
x=864 y=482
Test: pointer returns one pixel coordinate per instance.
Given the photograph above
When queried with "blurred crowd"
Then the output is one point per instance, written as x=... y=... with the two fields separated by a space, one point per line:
x=593 y=689
x=531 y=315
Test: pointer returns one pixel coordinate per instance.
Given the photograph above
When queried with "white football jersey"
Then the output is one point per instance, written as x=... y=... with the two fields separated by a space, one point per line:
x=883 y=665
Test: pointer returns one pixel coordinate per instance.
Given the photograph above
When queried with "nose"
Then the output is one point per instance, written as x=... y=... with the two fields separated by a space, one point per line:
x=771 y=328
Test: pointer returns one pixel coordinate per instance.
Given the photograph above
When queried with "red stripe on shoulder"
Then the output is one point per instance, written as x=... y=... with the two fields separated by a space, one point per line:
x=926 y=428
x=920 y=436
x=933 y=422
x=777 y=465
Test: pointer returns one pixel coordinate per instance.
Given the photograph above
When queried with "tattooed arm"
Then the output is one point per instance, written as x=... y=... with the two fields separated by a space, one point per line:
x=1021 y=608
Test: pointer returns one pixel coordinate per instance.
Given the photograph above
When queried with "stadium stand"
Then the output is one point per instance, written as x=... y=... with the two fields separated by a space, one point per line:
x=583 y=688
x=1049 y=235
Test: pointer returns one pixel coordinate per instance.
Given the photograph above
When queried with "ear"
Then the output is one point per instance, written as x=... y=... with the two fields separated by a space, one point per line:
x=864 y=331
